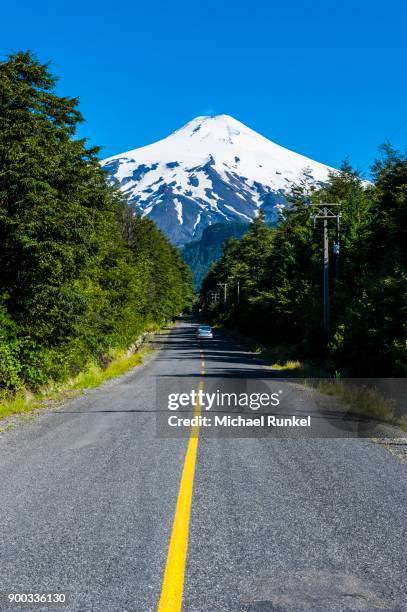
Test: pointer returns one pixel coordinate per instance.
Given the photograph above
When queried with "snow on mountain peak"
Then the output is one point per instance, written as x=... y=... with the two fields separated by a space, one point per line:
x=213 y=169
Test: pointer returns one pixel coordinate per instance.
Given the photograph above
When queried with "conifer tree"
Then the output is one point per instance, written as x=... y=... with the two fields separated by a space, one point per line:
x=76 y=277
x=283 y=304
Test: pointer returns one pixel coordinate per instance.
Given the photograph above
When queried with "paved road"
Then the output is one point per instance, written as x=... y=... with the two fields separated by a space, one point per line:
x=89 y=494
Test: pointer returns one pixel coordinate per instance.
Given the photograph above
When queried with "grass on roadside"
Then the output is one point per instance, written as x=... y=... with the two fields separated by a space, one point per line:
x=293 y=368
x=403 y=423
x=24 y=401
x=95 y=375
x=360 y=398
x=363 y=399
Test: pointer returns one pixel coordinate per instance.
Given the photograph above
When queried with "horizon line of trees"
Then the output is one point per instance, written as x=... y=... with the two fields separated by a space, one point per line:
x=274 y=275
x=80 y=275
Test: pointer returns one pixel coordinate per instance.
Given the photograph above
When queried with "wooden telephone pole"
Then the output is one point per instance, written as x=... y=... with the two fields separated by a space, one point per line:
x=327 y=212
x=224 y=285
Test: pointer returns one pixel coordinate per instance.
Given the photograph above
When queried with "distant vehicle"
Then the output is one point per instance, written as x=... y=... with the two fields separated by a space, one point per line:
x=204 y=331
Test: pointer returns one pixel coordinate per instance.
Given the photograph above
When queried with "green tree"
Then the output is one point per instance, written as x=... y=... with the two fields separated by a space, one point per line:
x=282 y=303
x=73 y=280
x=373 y=333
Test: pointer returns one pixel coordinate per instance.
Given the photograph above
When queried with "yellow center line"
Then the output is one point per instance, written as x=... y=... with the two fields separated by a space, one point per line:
x=173 y=583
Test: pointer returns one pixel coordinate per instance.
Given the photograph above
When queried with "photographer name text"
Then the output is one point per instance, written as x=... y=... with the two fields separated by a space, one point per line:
x=263 y=420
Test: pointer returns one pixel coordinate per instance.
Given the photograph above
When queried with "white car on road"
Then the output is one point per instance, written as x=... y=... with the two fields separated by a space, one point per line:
x=204 y=331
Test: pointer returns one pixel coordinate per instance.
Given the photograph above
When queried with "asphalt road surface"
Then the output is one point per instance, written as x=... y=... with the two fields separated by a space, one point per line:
x=93 y=503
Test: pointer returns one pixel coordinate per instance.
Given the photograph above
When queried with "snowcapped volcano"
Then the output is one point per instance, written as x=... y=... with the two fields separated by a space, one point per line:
x=212 y=170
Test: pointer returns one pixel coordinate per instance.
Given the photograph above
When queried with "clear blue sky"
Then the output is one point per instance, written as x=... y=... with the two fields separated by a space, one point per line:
x=326 y=79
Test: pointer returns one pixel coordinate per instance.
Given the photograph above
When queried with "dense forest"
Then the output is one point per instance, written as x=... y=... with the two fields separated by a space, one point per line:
x=80 y=276
x=200 y=254
x=275 y=281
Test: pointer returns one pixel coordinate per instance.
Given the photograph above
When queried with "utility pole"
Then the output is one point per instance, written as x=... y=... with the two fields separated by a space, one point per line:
x=336 y=249
x=224 y=285
x=238 y=291
x=328 y=212
x=212 y=296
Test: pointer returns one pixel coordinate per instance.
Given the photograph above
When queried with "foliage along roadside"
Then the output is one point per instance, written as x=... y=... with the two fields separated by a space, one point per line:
x=274 y=275
x=93 y=375
x=80 y=276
